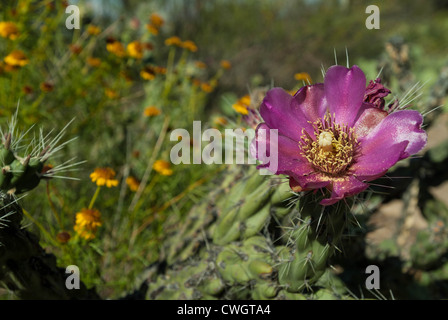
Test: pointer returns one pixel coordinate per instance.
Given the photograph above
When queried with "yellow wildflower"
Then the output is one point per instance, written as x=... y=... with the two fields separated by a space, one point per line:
x=159 y=70
x=148 y=73
x=111 y=94
x=163 y=167
x=220 y=121
x=4 y=67
x=9 y=30
x=200 y=65
x=151 y=111
x=173 y=41
x=240 y=108
x=156 y=20
x=242 y=104
x=93 y=30
x=189 y=45
x=135 y=49
x=132 y=183
x=206 y=87
x=116 y=48
x=303 y=76
x=225 y=64
x=153 y=30
x=87 y=222
x=245 y=100
x=16 y=59
x=104 y=176
x=93 y=62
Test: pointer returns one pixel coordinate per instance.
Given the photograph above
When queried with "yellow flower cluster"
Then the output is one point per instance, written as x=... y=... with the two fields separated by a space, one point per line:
x=135 y=49
x=220 y=121
x=9 y=30
x=115 y=47
x=132 y=183
x=87 y=222
x=93 y=62
x=225 y=64
x=163 y=167
x=16 y=59
x=242 y=105
x=150 y=72
x=303 y=76
x=151 y=111
x=110 y=93
x=93 y=30
x=155 y=23
x=176 y=41
x=104 y=176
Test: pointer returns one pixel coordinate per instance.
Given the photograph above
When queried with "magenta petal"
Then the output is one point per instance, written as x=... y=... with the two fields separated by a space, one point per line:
x=407 y=126
x=288 y=157
x=312 y=101
x=397 y=137
x=368 y=118
x=344 y=90
x=281 y=111
x=344 y=188
x=309 y=180
x=377 y=158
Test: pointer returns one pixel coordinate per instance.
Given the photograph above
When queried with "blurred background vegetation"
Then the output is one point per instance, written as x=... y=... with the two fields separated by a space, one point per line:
x=269 y=41
x=266 y=41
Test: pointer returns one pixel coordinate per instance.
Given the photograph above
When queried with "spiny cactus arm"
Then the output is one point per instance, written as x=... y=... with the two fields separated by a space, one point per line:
x=311 y=242
x=248 y=207
x=25 y=267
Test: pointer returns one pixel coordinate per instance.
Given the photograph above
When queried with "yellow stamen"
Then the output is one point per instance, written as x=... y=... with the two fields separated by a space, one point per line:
x=332 y=149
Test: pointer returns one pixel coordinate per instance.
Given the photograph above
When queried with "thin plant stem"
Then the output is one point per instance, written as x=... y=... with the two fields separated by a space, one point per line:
x=40 y=226
x=148 y=170
x=95 y=195
x=53 y=208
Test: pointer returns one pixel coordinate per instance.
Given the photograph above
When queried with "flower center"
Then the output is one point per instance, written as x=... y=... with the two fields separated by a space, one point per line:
x=332 y=149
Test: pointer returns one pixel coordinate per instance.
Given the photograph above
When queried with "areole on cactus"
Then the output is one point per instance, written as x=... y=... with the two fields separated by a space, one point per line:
x=22 y=173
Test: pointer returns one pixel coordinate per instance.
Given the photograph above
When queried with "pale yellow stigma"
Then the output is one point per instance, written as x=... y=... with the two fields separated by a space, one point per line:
x=326 y=141
x=331 y=149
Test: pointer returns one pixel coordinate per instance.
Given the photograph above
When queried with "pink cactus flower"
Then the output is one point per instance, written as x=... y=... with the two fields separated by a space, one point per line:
x=336 y=136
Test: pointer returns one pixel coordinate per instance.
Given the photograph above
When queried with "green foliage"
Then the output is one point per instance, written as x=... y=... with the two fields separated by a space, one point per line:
x=85 y=99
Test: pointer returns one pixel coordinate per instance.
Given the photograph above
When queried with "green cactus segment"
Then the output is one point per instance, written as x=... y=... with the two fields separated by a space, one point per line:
x=17 y=174
x=230 y=245
x=248 y=207
x=250 y=260
x=21 y=175
x=6 y=155
x=312 y=241
x=188 y=281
